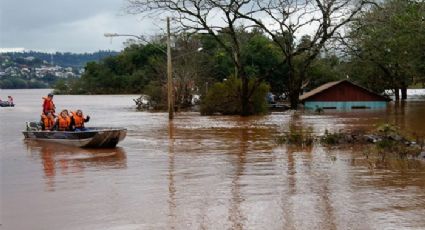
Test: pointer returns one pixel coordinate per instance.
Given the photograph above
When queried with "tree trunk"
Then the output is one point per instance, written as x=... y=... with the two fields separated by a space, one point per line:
x=294 y=90
x=404 y=93
x=244 y=97
x=294 y=93
x=397 y=94
x=240 y=73
x=294 y=98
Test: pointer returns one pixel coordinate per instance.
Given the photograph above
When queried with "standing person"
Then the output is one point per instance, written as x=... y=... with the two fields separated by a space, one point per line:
x=48 y=105
x=10 y=100
x=77 y=120
x=63 y=122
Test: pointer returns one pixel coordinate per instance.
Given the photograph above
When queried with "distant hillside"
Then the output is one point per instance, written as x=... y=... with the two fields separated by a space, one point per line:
x=65 y=59
x=42 y=70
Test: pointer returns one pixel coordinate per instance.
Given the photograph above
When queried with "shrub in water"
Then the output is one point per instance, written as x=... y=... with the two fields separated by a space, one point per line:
x=332 y=138
x=300 y=136
x=224 y=98
x=157 y=94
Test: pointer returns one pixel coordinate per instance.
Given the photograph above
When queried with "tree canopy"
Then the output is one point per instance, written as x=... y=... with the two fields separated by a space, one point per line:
x=387 y=46
x=381 y=48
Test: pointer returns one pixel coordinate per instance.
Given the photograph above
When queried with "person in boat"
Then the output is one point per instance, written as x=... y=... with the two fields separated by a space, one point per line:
x=48 y=105
x=10 y=100
x=47 y=121
x=63 y=121
x=78 y=120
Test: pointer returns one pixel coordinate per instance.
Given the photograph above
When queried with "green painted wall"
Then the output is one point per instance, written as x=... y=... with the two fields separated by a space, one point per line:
x=345 y=104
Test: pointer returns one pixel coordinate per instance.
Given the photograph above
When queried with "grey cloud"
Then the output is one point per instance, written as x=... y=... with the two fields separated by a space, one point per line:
x=27 y=14
x=66 y=25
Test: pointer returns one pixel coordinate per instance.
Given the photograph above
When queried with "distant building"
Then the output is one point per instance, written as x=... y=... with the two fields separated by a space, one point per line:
x=342 y=95
x=30 y=58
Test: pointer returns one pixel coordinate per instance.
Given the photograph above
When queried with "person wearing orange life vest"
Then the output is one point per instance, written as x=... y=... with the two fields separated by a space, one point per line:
x=47 y=121
x=63 y=121
x=48 y=105
x=78 y=120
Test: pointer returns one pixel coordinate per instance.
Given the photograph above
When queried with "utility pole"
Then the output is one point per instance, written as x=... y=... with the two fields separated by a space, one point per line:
x=169 y=74
x=170 y=85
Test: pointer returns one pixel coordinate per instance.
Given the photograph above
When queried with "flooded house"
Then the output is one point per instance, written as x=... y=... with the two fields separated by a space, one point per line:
x=342 y=95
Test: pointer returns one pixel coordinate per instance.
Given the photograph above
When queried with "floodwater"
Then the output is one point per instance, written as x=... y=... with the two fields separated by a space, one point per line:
x=215 y=172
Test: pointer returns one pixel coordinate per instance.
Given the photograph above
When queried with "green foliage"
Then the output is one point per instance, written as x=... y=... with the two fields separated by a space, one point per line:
x=262 y=58
x=388 y=129
x=224 y=98
x=141 y=69
x=387 y=45
x=332 y=138
x=393 y=143
x=324 y=70
x=21 y=83
x=392 y=150
x=128 y=72
x=157 y=95
x=297 y=136
x=61 y=87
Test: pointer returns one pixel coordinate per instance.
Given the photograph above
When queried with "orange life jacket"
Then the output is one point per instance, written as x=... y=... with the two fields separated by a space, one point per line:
x=63 y=123
x=78 y=120
x=47 y=122
x=48 y=105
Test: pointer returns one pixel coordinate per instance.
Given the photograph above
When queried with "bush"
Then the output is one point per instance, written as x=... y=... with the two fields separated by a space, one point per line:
x=224 y=98
x=301 y=136
x=394 y=143
x=332 y=138
x=157 y=95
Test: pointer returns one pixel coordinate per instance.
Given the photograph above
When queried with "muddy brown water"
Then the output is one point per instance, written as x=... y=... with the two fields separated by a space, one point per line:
x=213 y=172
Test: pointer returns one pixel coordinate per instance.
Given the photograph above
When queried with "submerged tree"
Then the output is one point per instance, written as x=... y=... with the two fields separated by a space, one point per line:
x=213 y=17
x=286 y=20
x=388 y=42
x=187 y=69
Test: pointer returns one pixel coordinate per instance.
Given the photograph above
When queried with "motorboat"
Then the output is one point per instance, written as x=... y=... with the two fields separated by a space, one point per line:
x=92 y=137
x=6 y=104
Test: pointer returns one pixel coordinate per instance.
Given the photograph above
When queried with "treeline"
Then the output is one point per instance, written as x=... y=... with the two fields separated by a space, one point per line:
x=234 y=67
x=128 y=72
x=66 y=59
x=22 y=83
x=47 y=81
x=386 y=46
x=198 y=63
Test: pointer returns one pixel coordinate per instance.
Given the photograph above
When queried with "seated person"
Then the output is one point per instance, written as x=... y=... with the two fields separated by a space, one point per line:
x=77 y=121
x=63 y=121
x=47 y=121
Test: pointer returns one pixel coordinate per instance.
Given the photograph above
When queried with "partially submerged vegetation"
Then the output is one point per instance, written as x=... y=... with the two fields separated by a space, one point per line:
x=332 y=138
x=223 y=98
x=391 y=142
x=297 y=136
x=386 y=141
x=288 y=61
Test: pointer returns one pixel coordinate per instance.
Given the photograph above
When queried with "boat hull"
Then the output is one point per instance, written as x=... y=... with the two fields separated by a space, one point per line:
x=95 y=137
x=6 y=104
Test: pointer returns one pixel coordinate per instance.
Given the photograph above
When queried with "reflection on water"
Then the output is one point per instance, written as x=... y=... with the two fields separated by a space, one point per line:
x=171 y=186
x=215 y=172
x=63 y=160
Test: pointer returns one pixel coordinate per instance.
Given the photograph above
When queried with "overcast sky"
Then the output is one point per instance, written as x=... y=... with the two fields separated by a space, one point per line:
x=68 y=25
